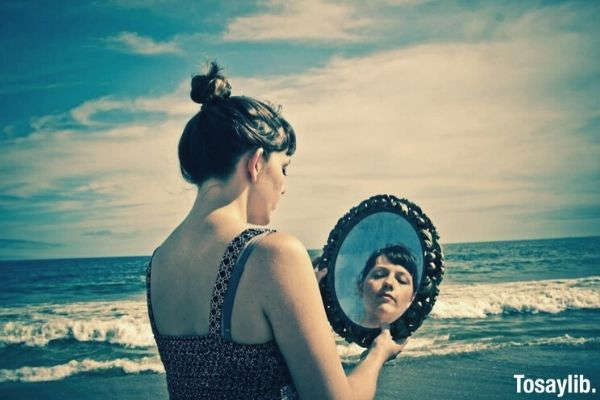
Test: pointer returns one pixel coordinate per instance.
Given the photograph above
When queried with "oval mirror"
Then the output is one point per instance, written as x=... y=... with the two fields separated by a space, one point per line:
x=384 y=265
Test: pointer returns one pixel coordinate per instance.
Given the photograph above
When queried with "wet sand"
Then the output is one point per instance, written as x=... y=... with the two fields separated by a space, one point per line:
x=480 y=376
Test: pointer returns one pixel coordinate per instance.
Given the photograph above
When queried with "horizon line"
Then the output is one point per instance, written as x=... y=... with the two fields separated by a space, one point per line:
x=319 y=249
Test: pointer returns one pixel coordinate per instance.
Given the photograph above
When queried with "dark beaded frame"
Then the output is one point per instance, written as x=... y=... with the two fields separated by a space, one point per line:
x=433 y=260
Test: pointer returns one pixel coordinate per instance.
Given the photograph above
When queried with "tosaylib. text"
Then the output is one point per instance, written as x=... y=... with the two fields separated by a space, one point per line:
x=572 y=383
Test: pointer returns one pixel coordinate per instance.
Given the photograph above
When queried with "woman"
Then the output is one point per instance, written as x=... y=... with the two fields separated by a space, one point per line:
x=387 y=285
x=259 y=334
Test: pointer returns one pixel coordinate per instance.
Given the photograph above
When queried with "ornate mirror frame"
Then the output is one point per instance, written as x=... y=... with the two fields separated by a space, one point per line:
x=433 y=269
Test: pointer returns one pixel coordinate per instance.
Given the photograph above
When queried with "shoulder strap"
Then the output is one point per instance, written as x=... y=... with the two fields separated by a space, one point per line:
x=224 y=274
x=234 y=281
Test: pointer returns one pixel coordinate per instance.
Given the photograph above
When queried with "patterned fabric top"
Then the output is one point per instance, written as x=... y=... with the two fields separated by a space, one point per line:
x=210 y=367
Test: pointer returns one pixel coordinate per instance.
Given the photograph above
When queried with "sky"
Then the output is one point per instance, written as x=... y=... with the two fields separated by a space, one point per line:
x=484 y=113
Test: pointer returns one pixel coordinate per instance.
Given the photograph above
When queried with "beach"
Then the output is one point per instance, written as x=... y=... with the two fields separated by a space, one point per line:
x=478 y=376
x=78 y=328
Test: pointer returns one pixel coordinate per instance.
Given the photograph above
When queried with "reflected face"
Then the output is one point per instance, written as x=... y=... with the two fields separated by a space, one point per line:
x=268 y=189
x=387 y=292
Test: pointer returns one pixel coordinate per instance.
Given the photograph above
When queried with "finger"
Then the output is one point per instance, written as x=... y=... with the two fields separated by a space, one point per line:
x=320 y=274
x=400 y=345
x=316 y=261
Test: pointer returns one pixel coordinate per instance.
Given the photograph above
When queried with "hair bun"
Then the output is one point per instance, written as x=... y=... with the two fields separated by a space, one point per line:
x=207 y=88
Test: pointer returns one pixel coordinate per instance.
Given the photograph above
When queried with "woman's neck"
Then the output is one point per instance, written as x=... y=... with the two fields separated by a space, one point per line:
x=220 y=203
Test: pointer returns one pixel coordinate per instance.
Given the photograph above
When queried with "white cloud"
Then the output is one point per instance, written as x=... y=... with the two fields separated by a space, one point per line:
x=172 y=104
x=84 y=112
x=133 y=43
x=306 y=20
x=470 y=131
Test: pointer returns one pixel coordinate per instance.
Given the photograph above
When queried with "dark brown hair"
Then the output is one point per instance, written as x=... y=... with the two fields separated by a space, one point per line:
x=227 y=127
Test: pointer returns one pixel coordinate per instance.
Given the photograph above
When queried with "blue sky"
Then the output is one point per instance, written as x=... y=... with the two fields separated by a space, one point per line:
x=484 y=113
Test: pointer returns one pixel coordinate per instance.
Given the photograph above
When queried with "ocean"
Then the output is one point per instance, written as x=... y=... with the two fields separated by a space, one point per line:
x=78 y=328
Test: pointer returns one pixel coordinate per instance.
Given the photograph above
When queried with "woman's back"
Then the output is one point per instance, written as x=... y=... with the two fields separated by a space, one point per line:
x=218 y=339
x=188 y=305
x=184 y=269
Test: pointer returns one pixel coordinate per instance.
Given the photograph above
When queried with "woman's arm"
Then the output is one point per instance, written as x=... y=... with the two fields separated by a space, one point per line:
x=293 y=306
x=383 y=349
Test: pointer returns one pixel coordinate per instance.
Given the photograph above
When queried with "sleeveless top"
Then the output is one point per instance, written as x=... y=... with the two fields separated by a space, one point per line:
x=212 y=366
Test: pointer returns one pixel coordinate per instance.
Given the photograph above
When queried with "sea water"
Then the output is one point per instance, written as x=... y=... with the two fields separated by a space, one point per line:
x=529 y=306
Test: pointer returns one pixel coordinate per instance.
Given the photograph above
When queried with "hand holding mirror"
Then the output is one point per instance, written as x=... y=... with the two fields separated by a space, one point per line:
x=384 y=265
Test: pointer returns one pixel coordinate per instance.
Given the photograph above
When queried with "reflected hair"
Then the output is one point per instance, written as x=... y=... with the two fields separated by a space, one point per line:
x=397 y=254
x=226 y=128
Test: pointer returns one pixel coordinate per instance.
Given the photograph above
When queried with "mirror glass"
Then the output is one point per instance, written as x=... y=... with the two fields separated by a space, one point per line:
x=378 y=269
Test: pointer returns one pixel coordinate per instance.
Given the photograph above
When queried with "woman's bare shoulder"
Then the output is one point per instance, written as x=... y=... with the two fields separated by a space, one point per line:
x=281 y=241
x=282 y=248
x=279 y=256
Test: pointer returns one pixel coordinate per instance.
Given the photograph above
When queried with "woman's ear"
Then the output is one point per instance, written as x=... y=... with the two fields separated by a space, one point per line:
x=256 y=163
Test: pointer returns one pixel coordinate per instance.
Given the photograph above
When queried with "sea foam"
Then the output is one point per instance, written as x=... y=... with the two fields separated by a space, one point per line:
x=122 y=331
x=126 y=322
x=123 y=323
x=443 y=345
x=549 y=296
x=61 y=371
x=416 y=347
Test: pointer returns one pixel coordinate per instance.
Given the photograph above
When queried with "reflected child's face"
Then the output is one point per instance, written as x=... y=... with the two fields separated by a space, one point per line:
x=387 y=292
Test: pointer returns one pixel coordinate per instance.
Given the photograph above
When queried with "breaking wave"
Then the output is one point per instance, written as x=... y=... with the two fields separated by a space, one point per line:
x=61 y=371
x=549 y=296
